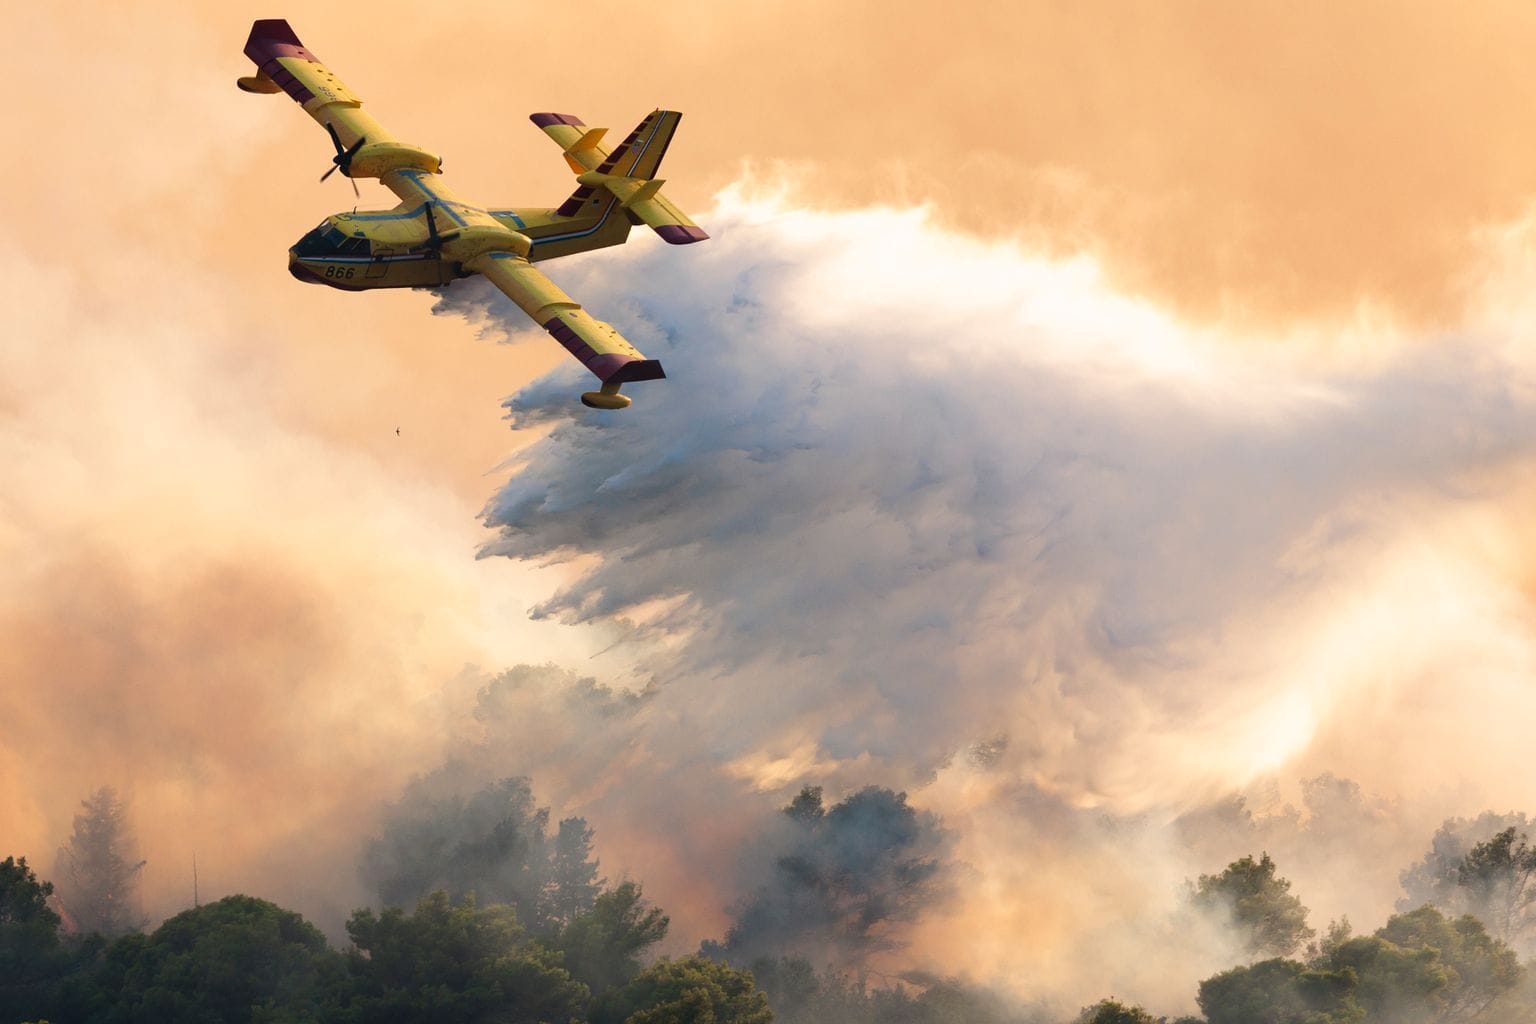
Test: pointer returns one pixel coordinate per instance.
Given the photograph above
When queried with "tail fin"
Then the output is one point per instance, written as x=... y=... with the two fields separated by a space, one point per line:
x=629 y=171
x=639 y=155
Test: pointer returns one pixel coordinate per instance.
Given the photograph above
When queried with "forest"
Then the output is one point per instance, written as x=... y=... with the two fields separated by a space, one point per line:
x=489 y=912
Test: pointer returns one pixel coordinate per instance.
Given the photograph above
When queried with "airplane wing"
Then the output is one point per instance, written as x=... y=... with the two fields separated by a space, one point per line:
x=595 y=344
x=364 y=149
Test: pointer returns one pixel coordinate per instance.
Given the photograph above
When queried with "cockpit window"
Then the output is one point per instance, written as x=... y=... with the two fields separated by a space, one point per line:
x=329 y=240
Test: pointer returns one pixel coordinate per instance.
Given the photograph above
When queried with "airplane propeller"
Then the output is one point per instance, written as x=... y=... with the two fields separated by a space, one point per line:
x=343 y=157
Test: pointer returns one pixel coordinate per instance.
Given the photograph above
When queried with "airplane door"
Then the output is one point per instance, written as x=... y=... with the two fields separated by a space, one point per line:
x=379 y=265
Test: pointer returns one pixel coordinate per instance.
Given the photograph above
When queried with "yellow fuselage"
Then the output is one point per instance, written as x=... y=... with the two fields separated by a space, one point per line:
x=395 y=248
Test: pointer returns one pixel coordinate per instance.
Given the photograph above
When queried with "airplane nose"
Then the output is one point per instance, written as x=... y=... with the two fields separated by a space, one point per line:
x=300 y=271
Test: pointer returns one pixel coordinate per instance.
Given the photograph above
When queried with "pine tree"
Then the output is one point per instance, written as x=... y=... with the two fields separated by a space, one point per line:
x=573 y=882
x=98 y=872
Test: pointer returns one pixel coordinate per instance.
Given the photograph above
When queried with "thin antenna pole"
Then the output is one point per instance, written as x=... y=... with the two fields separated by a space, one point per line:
x=195 y=904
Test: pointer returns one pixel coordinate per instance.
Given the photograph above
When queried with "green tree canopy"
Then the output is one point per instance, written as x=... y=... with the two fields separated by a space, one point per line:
x=791 y=985
x=573 y=883
x=1280 y=992
x=450 y=963
x=31 y=962
x=1259 y=904
x=1112 y=1011
x=1405 y=986
x=24 y=900
x=1423 y=967
x=694 y=990
x=603 y=948
x=1437 y=878
x=230 y=961
x=1482 y=968
x=1498 y=880
x=798 y=995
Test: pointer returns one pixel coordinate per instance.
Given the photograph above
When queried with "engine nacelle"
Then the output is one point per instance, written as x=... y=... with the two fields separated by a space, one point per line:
x=377 y=159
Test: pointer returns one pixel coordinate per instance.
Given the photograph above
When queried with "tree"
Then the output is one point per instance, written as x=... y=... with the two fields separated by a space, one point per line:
x=451 y=963
x=806 y=807
x=31 y=961
x=1258 y=904
x=491 y=843
x=1405 y=986
x=1482 y=967
x=1111 y=1011
x=602 y=949
x=938 y=1001
x=1279 y=992
x=694 y=990
x=221 y=962
x=1498 y=878
x=841 y=879
x=791 y=986
x=573 y=882
x=1436 y=879
x=1423 y=967
x=798 y=995
x=98 y=871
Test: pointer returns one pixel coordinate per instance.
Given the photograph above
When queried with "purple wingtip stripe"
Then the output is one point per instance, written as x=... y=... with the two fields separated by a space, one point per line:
x=276 y=29
x=637 y=370
x=610 y=368
x=678 y=234
x=545 y=120
x=274 y=38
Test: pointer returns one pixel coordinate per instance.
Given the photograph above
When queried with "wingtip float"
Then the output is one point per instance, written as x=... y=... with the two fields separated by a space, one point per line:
x=433 y=237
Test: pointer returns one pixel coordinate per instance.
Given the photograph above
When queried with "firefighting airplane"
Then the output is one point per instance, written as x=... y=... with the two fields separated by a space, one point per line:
x=433 y=236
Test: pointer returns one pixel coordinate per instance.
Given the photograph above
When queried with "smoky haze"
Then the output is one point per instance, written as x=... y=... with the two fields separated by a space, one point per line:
x=988 y=524
x=1058 y=565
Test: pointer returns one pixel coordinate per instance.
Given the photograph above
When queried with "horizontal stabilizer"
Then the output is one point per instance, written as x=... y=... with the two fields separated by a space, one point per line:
x=589 y=139
x=645 y=192
x=628 y=173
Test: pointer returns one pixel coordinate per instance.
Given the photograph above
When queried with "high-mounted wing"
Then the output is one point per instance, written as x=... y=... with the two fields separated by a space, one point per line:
x=363 y=148
x=598 y=347
x=461 y=232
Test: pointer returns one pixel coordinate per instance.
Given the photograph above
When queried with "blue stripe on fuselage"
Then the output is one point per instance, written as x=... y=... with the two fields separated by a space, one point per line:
x=402 y=258
x=612 y=202
x=422 y=209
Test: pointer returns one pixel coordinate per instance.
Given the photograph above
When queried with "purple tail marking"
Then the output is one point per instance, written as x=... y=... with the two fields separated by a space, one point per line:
x=545 y=120
x=678 y=234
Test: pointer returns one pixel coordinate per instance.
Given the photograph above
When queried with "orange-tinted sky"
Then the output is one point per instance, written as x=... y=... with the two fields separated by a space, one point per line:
x=234 y=591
